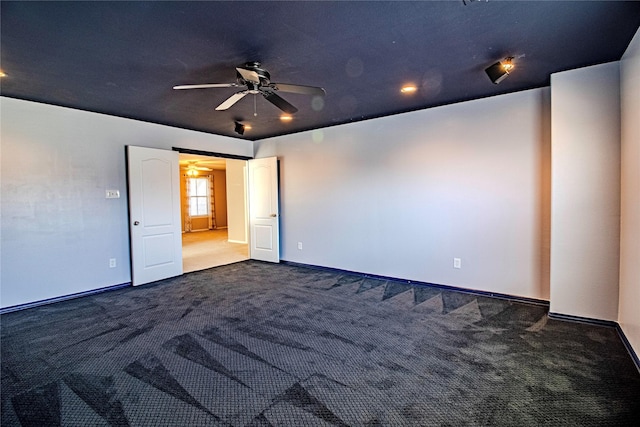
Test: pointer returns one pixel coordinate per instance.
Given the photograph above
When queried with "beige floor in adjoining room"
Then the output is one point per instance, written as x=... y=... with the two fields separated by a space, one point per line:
x=206 y=249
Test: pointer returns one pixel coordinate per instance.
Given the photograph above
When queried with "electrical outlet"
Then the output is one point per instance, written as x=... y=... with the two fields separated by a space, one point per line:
x=457 y=263
x=299 y=246
x=112 y=263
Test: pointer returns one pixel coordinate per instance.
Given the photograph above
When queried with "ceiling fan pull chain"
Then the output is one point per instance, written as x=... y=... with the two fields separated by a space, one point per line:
x=255 y=106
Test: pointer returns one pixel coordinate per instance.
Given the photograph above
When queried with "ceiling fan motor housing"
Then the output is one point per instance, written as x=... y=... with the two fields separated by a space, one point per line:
x=263 y=75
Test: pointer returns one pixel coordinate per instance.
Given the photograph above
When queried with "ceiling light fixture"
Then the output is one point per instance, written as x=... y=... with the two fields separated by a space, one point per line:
x=500 y=70
x=286 y=118
x=2 y=74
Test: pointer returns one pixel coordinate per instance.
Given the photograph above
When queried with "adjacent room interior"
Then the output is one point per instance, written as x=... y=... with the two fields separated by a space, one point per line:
x=214 y=218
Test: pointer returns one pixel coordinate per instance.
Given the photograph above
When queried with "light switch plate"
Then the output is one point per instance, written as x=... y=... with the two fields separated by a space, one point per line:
x=113 y=194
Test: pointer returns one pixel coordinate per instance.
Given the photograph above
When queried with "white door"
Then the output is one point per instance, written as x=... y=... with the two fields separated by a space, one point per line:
x=154 y=214
x=263 y=210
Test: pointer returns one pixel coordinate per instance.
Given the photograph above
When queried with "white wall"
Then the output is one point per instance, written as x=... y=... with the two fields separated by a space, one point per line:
x=629 y=311
x=401 y=196
x=58 y=230
x=237 y=201
x=585 y=213
x=220 y=194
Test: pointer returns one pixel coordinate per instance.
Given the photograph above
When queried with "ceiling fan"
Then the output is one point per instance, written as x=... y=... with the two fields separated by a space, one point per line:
x=193 y=164
x=193 y=169
x=258 y=81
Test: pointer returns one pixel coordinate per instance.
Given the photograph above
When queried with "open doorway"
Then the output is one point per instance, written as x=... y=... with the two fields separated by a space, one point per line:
x=213 y=210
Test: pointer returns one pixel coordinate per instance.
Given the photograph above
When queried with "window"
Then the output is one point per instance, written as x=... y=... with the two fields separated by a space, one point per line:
x=198 y=196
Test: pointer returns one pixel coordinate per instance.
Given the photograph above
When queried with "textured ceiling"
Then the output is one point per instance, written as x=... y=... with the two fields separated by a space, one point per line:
x=123 y=58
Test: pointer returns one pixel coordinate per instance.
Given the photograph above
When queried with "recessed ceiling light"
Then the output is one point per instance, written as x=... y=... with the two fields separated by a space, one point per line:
x=286 y=118
x=408 y=89
x=2 y=74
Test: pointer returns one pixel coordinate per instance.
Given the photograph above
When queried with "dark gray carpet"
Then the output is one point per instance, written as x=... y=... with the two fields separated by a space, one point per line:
x=257 y=344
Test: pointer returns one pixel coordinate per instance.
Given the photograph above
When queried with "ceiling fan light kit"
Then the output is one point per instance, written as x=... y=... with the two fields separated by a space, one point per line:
x=192 y=169
x=257 y=80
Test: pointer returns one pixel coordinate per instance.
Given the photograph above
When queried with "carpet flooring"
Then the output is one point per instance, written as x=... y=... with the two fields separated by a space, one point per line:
x=258 y=344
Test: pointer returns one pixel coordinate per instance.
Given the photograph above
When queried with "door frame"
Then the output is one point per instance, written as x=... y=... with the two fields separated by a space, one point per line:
x=210 y=154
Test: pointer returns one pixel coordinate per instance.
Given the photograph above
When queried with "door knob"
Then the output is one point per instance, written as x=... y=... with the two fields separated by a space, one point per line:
x=273 y=215
x=136 y=222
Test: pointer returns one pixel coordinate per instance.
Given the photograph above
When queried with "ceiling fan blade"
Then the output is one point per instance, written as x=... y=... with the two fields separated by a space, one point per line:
x=304 y=90
x=249 y=75
x=206 y=86
x=232 y=100
x=279 y=102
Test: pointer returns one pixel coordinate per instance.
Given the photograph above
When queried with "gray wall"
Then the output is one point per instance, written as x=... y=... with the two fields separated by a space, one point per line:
x=402 y=196
x=629 y=312
x=585 y=215
x=58 y=230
